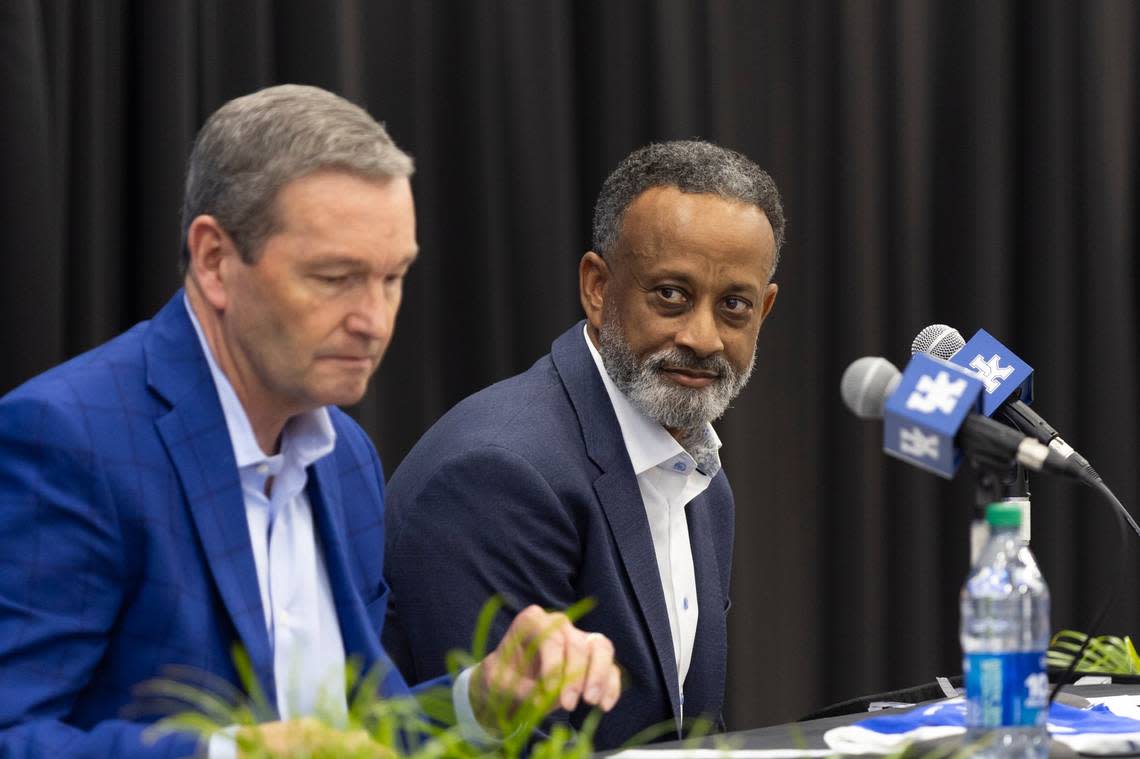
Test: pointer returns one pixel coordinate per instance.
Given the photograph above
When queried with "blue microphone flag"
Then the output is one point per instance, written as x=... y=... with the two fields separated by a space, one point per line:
x=1001 y=370
x=925 y=412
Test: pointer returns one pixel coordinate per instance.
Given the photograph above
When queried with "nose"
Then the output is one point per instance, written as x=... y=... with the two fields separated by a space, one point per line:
x=699 y=333
x=373 y=313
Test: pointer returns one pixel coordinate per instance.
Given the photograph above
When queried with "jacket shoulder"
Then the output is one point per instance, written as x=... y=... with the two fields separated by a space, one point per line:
x=527 y=414
x=96 y=378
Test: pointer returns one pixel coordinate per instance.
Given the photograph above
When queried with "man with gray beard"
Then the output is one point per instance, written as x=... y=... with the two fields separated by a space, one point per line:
x=596 y=473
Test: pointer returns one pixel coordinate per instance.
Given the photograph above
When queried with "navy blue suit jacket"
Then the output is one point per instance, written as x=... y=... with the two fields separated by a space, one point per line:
x=124 y=546
x=525 y=489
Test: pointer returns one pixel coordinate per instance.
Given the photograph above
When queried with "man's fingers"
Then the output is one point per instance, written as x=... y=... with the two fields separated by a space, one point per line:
x=308 y=735
x=600 y=653
x=543 y=646
x=544 y=632
x=576 y=660
x=550 y=657
x=613 y=689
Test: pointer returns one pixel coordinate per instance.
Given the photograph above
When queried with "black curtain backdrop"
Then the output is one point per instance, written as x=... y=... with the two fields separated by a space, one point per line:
x=973 y=163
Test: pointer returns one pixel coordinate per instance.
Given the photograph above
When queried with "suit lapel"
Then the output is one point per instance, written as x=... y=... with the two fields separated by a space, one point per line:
x=618 y=493
x=704 y=685
x=328 y=510
x=198 y=442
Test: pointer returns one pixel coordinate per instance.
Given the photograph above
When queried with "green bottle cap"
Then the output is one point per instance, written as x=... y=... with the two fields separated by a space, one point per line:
x=1003 y=515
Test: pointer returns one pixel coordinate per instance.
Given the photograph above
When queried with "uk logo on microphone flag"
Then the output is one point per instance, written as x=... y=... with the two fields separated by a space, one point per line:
x=1001 y=370
x=926 y=411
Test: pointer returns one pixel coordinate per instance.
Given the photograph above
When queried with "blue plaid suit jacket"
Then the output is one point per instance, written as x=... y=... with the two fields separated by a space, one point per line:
x=124 y=546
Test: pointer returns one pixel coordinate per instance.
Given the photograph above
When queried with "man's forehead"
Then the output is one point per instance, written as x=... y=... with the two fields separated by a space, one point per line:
x=338 y=258
x=673 y=199
x=338 y=219
x=666 y=227
x=329 y=193
x=335 y=181
x=667 y=210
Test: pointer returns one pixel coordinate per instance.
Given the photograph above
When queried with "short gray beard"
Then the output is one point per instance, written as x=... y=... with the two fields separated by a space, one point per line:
x=684 y=409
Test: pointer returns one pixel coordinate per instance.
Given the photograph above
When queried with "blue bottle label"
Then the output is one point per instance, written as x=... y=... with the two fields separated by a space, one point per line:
x=1006 y=690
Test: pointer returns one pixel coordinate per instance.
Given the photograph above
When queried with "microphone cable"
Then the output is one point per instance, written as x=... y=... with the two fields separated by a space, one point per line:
x=1122 y=515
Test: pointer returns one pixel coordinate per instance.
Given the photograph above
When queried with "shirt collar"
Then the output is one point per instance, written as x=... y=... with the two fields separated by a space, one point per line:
x=648 y=443
x=306 y=438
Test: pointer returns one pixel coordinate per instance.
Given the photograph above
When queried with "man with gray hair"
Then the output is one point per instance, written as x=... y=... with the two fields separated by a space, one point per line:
x=596 y=473
x=191 y=485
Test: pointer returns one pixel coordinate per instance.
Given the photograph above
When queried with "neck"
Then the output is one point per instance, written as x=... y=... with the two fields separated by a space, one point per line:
x=595 y=338
x=267 y=423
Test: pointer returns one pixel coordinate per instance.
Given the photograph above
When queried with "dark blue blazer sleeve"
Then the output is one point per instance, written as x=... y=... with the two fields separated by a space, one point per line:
x=484 y=522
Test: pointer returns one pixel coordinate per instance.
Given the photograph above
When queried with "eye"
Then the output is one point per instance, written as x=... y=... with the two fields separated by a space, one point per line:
x=331 y=279
x=671 y=295
x=736 y=305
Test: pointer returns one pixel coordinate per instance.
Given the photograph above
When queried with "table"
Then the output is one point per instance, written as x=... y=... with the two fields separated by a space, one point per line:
x=806 y=738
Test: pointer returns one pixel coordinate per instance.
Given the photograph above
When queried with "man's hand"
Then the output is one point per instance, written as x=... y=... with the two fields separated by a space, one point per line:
x=543 y=654
x=305 y=736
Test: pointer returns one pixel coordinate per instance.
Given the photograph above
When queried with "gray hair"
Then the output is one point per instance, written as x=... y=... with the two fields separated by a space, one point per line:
x=254 y=145
x=693 y=166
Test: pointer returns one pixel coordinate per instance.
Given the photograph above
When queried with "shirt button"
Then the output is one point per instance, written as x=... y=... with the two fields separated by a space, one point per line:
x=685 y=603
x=679 y=466
x=263 y=469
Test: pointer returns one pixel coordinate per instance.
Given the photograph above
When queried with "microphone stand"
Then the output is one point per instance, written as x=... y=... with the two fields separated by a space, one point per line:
x=997 y=481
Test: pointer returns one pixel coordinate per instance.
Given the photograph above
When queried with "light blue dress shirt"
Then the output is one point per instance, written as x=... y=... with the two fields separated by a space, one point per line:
x=300 y=618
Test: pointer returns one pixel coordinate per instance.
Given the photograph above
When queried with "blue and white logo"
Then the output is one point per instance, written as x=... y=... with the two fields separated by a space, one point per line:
x=1001 y=370
x=925 y=412
x=912 y=442
x=938 y=393
x=991 y=372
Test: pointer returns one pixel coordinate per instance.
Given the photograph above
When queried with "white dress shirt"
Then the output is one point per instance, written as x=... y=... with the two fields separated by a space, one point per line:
x=668 y=479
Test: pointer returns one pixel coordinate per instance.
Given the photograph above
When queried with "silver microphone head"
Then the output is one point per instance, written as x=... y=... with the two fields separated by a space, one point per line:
x=867 y=384
x=938 y=340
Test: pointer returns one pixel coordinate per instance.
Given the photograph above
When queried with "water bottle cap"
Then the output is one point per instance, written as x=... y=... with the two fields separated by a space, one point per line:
x=1003 y=515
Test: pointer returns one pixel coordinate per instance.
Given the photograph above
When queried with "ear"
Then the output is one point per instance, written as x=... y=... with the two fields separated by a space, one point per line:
x=768 y=301
x=593 y=275
x=209 y=247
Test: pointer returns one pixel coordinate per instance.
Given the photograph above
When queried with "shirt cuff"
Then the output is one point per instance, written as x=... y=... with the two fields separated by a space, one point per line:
x=222 y=744
x=469 y=727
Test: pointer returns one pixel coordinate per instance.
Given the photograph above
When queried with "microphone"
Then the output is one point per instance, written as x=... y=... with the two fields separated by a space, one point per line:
x=867 y=384
x=947 y=343
x=930 y=417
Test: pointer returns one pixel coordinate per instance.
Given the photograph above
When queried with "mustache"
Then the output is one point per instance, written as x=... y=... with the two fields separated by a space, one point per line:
x=683 y=358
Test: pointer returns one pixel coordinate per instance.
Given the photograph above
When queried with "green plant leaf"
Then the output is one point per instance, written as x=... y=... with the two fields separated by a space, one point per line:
x=1106 y=654
x=422 y=727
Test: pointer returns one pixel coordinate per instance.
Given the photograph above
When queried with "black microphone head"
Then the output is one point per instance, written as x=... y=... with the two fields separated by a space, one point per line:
x=938 y=340
x=867 y=384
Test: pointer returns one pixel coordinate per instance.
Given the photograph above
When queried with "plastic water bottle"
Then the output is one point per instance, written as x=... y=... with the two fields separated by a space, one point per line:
x=1005 y=631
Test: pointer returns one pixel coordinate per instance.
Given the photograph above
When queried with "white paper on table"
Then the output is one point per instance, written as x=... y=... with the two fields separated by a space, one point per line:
x=713 y=753
x=1125 y=706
